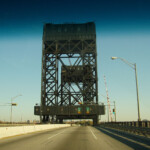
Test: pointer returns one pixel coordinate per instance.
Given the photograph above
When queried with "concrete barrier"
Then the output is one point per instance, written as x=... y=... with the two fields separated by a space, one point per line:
x=12 y=131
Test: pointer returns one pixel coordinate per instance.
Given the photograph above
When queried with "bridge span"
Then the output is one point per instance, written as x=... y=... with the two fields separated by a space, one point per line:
x=74 y=138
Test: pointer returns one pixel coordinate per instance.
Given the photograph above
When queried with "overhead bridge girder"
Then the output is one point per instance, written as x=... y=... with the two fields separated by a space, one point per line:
x=70 y=110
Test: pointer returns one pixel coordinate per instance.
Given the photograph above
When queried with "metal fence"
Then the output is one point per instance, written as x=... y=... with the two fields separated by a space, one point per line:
x=135 y=127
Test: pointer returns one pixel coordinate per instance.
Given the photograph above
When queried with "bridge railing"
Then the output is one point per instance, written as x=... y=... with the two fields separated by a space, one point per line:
x=145 y=124
x=136 y=127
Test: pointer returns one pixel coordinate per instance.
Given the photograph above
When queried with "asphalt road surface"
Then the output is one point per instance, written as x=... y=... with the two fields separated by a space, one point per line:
x=71 y=138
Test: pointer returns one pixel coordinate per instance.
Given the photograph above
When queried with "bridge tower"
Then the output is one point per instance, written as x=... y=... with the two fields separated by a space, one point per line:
x=69 y=84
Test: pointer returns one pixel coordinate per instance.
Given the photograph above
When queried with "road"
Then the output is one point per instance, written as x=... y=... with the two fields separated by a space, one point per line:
x=72 y=138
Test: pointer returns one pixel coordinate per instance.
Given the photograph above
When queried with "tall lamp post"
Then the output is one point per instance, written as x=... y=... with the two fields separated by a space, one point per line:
x=11 y=106
x=133 y=66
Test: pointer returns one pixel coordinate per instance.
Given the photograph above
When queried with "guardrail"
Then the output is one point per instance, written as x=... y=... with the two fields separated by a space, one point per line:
x=130 y=123
x=135 y=127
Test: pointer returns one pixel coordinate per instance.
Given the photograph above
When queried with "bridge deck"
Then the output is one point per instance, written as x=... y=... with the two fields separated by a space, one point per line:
x=74 y=138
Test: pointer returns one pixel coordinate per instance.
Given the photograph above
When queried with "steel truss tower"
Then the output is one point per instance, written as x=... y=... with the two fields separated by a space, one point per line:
x=69 y=84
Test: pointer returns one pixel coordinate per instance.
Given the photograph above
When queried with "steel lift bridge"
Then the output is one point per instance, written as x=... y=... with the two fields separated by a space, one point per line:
x=69 y=84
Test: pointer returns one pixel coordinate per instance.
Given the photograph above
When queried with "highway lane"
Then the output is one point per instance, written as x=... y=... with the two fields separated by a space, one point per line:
x=72 y=138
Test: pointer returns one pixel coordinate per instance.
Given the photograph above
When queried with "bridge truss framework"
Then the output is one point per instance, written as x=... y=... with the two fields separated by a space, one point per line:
x=69 y=84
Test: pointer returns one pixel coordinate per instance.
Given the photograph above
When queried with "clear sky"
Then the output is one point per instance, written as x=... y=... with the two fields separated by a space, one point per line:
x=123 y=30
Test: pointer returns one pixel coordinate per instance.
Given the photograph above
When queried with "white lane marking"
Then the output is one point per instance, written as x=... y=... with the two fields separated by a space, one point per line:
x=93 y=134
x=147 y=146
x=48 y=139
x=56 y=134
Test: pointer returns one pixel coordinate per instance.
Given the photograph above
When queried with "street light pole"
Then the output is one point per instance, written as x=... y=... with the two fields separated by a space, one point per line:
x=11 y=107
x=133 y=66
x=11 y=112
x=137 y=91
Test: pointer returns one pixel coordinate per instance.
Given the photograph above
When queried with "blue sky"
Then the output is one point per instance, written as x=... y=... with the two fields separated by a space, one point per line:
x=123 y=30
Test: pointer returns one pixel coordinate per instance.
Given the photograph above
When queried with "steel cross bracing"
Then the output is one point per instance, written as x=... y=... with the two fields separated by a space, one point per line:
x=69 y=85
x=83 y=53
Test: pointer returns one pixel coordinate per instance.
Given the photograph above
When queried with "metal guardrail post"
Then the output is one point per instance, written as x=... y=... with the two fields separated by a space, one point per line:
x=130 y=124
x=139 y=123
